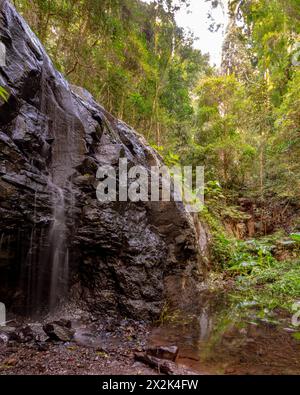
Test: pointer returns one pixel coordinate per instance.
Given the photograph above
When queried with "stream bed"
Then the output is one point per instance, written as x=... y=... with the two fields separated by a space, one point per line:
x=216 y=334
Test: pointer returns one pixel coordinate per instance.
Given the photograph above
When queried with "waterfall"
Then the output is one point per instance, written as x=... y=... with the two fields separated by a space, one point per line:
x=58 y=253
x=45 y=275
x=2 y=314
x=53 y=261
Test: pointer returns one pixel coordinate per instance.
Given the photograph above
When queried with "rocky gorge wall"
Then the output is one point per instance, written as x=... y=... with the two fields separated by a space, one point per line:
x=56 y=239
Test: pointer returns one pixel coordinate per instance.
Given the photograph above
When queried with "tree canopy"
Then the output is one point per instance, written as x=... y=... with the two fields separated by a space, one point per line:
x=241 y=122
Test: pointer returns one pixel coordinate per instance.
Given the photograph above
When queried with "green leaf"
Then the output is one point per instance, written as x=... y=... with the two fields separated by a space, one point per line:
x=3 y=94
x=296 y=335
x=295 y=237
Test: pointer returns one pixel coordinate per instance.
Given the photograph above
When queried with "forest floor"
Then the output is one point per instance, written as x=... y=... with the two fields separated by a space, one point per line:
x=217 y=339
x=245 y=321
x=96 y=349
x=61 y=359
x=106 y=348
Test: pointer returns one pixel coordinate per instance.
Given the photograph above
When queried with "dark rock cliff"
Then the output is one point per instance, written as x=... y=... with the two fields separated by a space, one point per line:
x=126 y=258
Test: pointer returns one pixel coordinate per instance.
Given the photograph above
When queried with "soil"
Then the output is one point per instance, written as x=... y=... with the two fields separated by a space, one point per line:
x=66 y=359
x=97 y=349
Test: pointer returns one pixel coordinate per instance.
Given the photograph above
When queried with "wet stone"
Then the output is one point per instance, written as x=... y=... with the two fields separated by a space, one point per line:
x=58 y=333
x=162 y=352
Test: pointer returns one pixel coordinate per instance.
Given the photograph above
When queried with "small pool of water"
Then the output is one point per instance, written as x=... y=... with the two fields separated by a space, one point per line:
x=218 y=336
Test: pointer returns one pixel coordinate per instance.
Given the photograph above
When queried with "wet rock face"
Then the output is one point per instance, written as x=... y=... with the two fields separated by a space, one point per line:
x=123 y=257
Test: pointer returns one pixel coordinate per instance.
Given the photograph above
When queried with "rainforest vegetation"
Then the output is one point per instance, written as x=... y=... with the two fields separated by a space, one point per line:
x=240 y=120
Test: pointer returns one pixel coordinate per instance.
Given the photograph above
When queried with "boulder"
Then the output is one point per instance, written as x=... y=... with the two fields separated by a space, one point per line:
x=121 y=258
x=164 y=352
x=58 y=332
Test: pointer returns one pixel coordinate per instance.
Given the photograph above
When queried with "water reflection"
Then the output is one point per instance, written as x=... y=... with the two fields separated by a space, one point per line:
x=223 y=336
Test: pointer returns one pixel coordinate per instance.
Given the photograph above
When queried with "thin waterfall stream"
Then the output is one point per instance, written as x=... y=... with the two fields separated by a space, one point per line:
x=45 y=276
x=49 y=287
x=59 y=255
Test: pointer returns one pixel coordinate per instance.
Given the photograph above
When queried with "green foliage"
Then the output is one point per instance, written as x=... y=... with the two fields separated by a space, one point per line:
x=222 y=247
x=275 y=286
x=296 y=335
x=242 y=124
x=295 y=237
x=213 y=191
x=248 y=117
x=261 y=279
x=130 y=55
x=3 y=94
x=261 y=282
x=287 y=282
x=220 y=142
x=249 y=256
x=170 y=158
x=271 y=35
